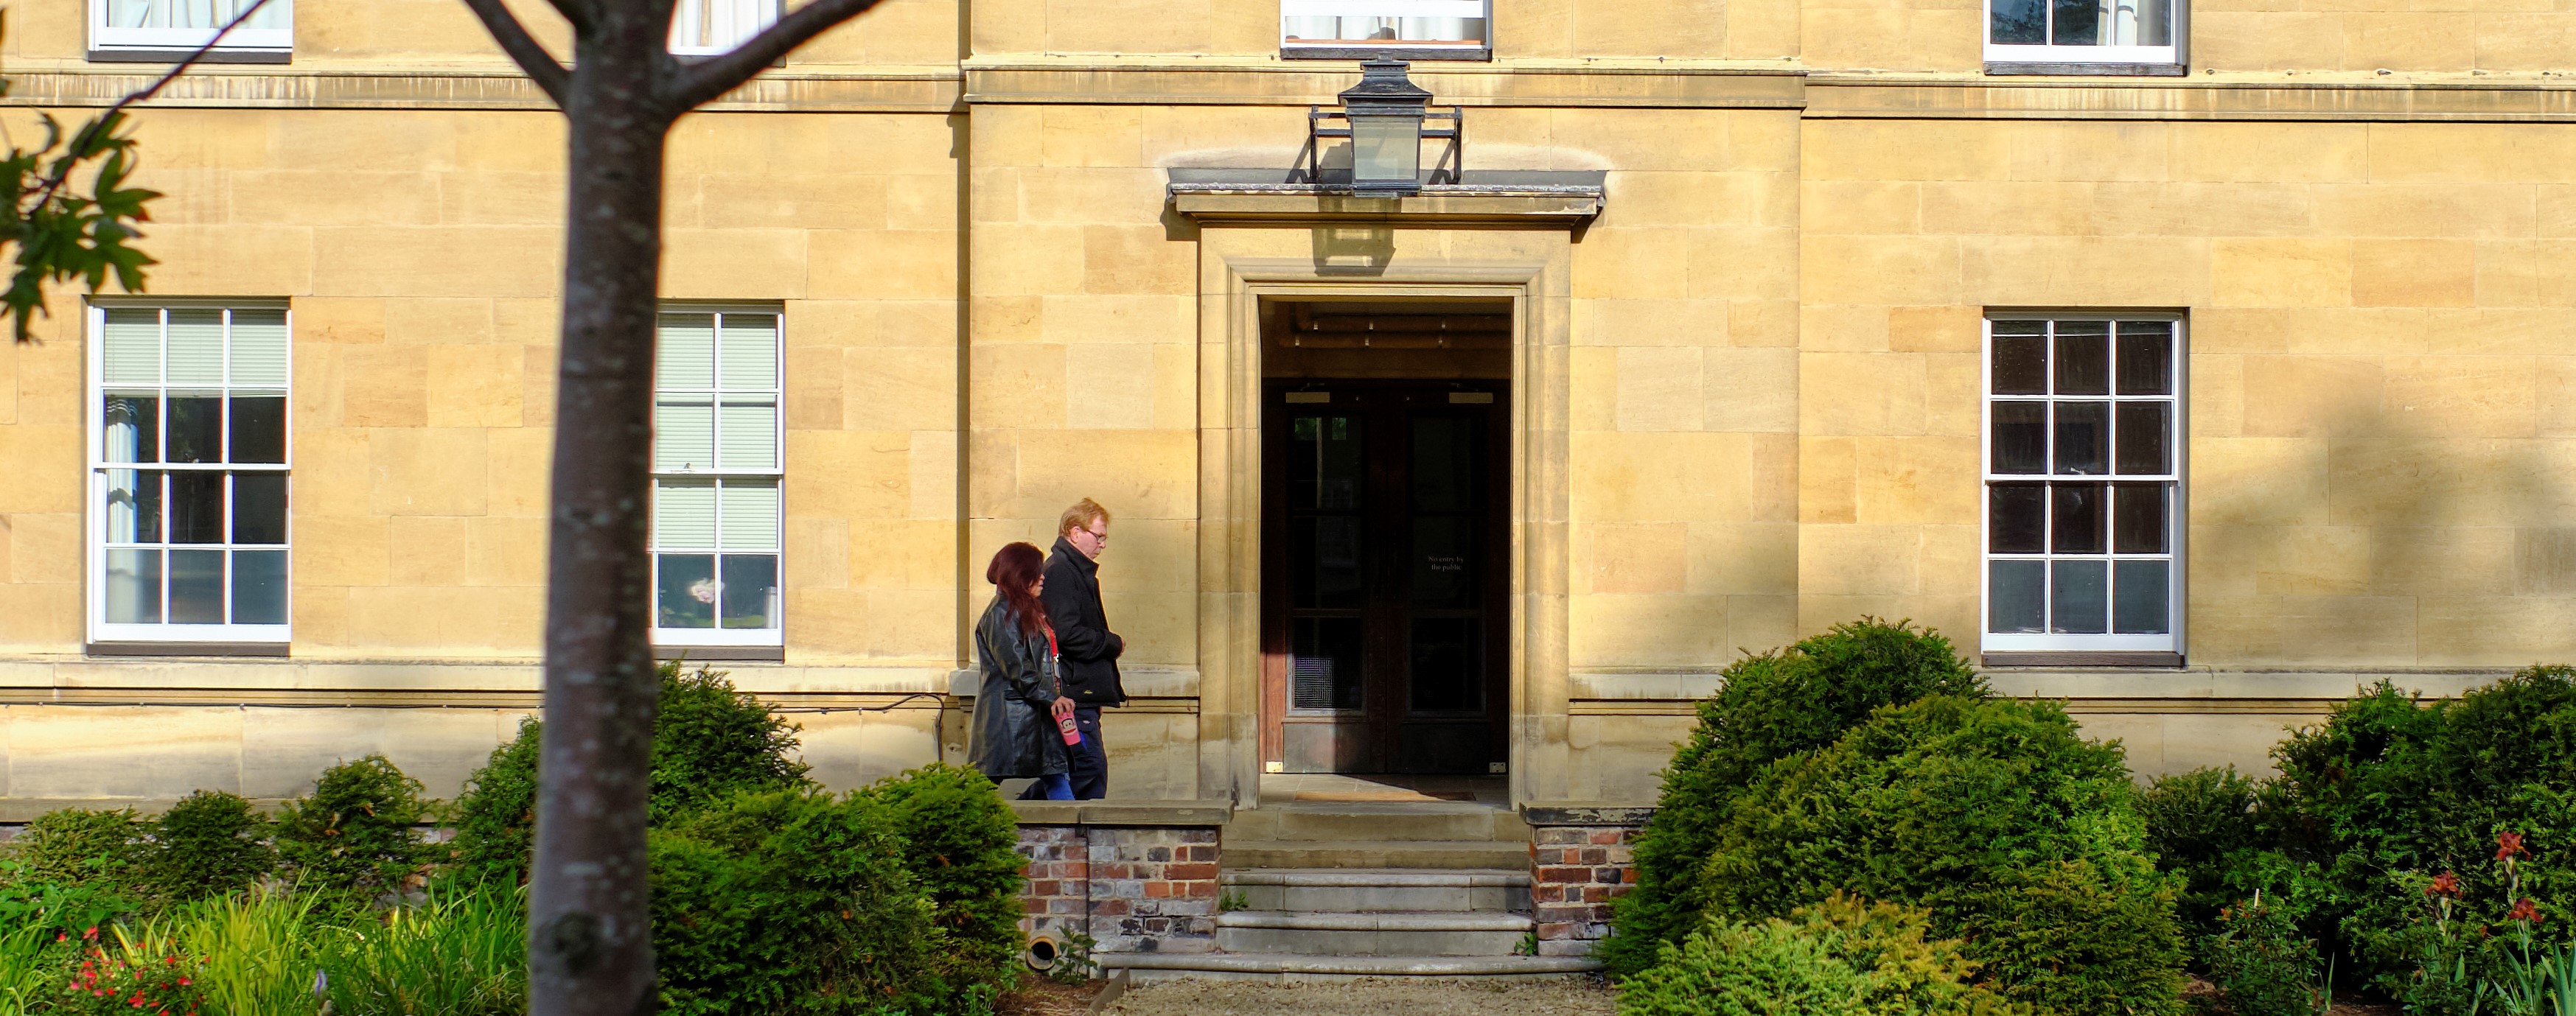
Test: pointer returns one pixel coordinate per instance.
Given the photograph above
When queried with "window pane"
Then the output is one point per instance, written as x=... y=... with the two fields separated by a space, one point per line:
x=684 y=433
x=750 y=350
x=1448 y=664
x=196 y=347
x=259 y=348
x=2146 y=432
x=2015 y=592
x=747 y=435
x=259 y=586
x=2020 y=22
x=2021 y=437
x=2144 y=589
x=684 y=514
x=1324 y=668
x=2077 y=22
x=134 y=506
x=2138 y=518
x=2076 y=514
x=685 y=352
x=2018 y=523
x=134 y=587
x=196 y=428
x=259 y=508
x=1338 y=469
x=1444 y=464
x=2077 y=597
x=2083 y=358
x=686 y=591
x=132 y=422
x=2083 y=438
x=130 y=347
x=2021 y=363
x=1327 y=568
x=2146 y=357
x=196 y=587
x=749 y=514
x=196 y=510
x=2154 y=24
x=750 y=591
x=193 y=13
x=1444 y=561
x=259 y=428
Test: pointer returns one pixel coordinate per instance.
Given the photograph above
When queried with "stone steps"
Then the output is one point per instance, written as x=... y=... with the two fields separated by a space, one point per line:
x=1450 y=855
x=1146 y=967
x=1379 y=933
x=1365 y=890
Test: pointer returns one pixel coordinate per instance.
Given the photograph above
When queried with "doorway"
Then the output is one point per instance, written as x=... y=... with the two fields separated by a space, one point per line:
x=1386 y=532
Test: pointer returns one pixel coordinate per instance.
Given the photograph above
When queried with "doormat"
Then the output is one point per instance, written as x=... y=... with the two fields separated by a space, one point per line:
x=1386 y=795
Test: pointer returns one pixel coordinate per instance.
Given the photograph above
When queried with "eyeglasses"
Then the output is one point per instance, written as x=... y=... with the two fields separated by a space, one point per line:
x=1101 y=535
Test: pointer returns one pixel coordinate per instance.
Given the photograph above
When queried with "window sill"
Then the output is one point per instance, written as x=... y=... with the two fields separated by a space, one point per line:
x=2166 y=661
x=1460 y=53
x=172 y=56
x=268 y=649
x=2097 y=70
x=695 y=654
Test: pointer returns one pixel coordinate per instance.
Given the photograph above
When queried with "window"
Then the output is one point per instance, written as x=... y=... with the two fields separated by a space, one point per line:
x=2104 y=36
x=188 y=474
x=2083 y=448
x=716 y=510
x=165 y=29
x=708 y=27
x=1419 y=29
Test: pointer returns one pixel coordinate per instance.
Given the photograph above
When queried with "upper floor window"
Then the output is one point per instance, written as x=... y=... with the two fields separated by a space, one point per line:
x=716 y=507
x=165 y=29
x=1418 y=29
x=188 y=458
x=2098 y=36
x=2083 y=512
x=708 y=27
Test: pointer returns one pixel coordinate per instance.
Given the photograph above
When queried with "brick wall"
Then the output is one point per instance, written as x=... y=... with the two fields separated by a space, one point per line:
x=1132 y=889
x=1581 y=858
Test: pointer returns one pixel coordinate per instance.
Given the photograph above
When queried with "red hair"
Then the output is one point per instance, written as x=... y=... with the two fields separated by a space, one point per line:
x=1015 y=571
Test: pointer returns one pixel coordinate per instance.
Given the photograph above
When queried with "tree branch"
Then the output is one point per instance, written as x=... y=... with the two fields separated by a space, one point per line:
x=524 y=49
x=701 y=82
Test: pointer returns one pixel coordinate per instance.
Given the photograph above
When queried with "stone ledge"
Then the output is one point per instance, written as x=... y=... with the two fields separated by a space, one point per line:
x=1300 y=204
x=1585 y=813
x=1123 y=813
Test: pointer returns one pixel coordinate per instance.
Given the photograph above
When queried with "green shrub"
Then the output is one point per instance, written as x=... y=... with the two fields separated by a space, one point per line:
x=961 y=844
x=1840 y=957
x=352 y=840
x=2201 y=826
x=2387 y=793
x=496 y=817
x=711 y=742
x=2016 y=833
x=96 y=848
x=1770 y=707
x=2262 y=965
x=208 y=844
x=791 y=901
x=60 y=908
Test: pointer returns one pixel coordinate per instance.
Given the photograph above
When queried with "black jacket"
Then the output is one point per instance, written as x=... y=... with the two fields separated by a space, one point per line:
x=1082 y=632
x=1012 y=737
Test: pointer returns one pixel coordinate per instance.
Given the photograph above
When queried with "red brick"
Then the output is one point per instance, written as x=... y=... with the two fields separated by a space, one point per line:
x=1604 y=837
x=1202 y=888
x=1628 y=876
x=1554 y=874
x=1110 y=908
x=1158 y=889
x=1190 y=871
x=1555 y=931
x=1596 y=894
x=1592 y=855
x=1606 y=876
x=1106 y=870
x=1556 y=836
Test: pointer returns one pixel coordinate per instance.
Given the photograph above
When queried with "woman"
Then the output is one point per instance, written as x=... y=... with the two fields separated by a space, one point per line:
x=1017 y=712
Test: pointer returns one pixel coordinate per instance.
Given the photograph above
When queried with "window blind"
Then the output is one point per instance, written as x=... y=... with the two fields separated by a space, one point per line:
x=259 y=348
x=750 y=350
x=684 y=514
x=684 y=438
x=685 y=355
x=131 y=347
x=196 y=339
x=750 y=515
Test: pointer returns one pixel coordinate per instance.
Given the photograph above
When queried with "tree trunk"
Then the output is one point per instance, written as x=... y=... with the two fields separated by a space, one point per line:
x=590 y=944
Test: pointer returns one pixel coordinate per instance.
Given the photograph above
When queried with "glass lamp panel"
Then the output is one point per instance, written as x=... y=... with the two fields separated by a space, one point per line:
x=1385 y=149
x=750 y=591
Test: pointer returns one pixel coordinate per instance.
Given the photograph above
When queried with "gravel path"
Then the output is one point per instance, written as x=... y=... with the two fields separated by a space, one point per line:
x=1365 y=998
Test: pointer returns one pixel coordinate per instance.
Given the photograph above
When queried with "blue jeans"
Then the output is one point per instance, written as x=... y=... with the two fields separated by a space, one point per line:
x=1058 y=786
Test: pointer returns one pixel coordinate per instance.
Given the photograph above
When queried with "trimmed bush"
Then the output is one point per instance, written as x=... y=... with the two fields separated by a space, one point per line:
x=1997 y=816
x=75 y=845
x=496 y=816
x=711 y=743
x=2201 y=827
x=1840 y=957
x=352 y=839
x=961 y=844
x=2261 y=964
x=1770 y=707
x=791 y=901
x=208 y=844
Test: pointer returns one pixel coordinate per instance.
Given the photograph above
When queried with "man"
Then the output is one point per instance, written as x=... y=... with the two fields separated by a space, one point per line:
x=1090 y=650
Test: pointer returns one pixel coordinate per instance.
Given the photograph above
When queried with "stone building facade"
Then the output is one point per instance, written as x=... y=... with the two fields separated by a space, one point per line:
x=2194 y=363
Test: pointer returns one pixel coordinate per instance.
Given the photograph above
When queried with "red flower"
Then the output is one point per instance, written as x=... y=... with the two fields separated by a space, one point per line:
x=2509 y=845
x=91 y=935
x=2523 y=910
x=2444 y=884
x=183 y=982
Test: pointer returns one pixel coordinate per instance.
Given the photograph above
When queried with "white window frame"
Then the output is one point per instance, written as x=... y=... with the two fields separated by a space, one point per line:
x=1479 y=10
x=776 y=472
x=747 y=17
x=106 y=40
x=101 y=631
x=2104 y=56
x=2177 y=506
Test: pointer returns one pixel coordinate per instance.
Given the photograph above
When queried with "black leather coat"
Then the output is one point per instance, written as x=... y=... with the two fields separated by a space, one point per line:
x=1091 y=650
x=1013 y=736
